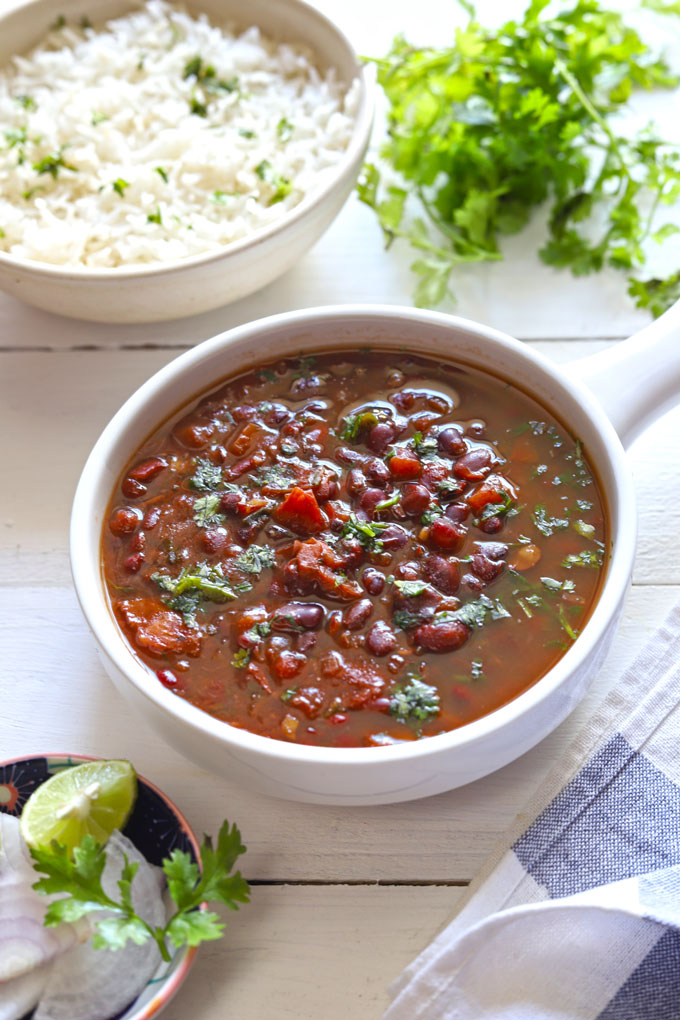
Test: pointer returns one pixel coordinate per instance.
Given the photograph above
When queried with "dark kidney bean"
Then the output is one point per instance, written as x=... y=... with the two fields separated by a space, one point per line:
x=373 y=581
x=167 y=678
x=305 y=642
x=446 y=534
x=370 y=500
x=229 y=502
x=381 y=640
x=356 y=616
x=148 y=469
x=485 y=569
x=450 y=442
x=325 y=485
x=476 y=429
x=443 y=573
x=491 y=526
x=377 y=472
x=380 y=437
x=442 y=637
x=132 y=489
x=472 y=583
x=415 y=499
x=356 y=482
x=193 y=434
x=215 y=539
x=138 y=541
x=494 y=550
x=474 y=465
x=408 y=571
x=295 y=616
x=125 y=520
x=243 y=412
x=151 y=518
x=347 y=456
x=276 y=415
x=393 y=537
x=457 y=512
x=134 y=563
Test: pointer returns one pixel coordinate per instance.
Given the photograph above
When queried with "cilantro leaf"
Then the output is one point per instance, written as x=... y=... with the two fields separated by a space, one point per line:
x=206 y=477
x=255 y=559
x=415 y=701
x=207 y=510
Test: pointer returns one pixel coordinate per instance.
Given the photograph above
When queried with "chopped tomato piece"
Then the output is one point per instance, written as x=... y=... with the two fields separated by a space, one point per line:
x=495 y=489
x=402 y=467
x=158 y=630
x=300 y=512
x=316 y=565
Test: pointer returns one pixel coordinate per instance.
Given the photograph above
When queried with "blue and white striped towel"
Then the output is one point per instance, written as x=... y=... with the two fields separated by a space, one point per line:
x=577 y=914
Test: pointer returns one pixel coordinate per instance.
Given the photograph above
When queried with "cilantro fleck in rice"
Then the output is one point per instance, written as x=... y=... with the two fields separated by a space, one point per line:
x=158 y=137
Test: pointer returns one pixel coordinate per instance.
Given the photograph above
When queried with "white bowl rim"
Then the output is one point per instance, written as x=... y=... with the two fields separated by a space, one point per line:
x=358 y=142
x=91 y=595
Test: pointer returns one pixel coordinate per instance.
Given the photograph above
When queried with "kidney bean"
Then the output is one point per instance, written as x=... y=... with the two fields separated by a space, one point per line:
x=415 y=499
x=195 y=435
x=476 y=429
x=526 y=557
x=305 y=642
x=474 y=465
x=356 y=615
x=393 y=537
x=457 y=512
x=295 y=616
x=134 y=563
x=276 y=415
x=472 y=583
x=229 y=502
x=450 y=442
x=243 y=412
x=334 y=622
x=347 y=456
x=337 y=719
x=215 y=539
x=395 y=378
x=370 y=499
x=408 y=571
x=404 y=400
x=151 y=518
x=494 y=550
x=352 y=552
x=137 y=542
x=167 y=678
x=325 y=485
x=442 y=637
x=381 y=639
x=491 y=526
x=394 y=664
x=485 y=569
x=125 y=520
x=131 y=488
x=446 y=534
x=380 y=437
x=377 y=472
x=288 y=664
x=356 y=482
x=373 y=581
x=148 y=469
x=443 y=573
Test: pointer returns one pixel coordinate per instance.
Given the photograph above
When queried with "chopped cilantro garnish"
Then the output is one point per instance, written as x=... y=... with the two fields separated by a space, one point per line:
x=98 y=118
x=452 y=486
x=194 y=584
x=546 y=524
x=258 y=631
x=255 y=559
x=411 y=588
x=431 y=514
x=425 y=446
x=197 y=107
x=241 y=658
x=119 y=185
x=28 y=102
x=53 y=164
x=206 y=510
x=155 y=217
x=162 y=173
x=206 y=477
x=584 y=530
x=281 y=185
x=367 y=532
x=553 y=585
x=385 y=504
x=586 y=558
x=274 y=477
x=284 y=129
x=475 y=612
x=414 y=701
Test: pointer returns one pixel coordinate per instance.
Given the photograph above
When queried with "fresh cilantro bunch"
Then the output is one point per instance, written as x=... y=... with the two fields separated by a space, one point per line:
x=483 y=132
x=79 y=877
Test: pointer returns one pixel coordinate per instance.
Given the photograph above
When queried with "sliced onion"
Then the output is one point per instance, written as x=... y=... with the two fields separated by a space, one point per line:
x=20 y=995
x=96 y=984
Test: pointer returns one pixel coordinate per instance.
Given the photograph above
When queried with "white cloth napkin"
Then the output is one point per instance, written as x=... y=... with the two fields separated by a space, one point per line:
x=577 y=913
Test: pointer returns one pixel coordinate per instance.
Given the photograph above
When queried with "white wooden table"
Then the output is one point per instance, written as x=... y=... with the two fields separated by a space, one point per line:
x=343 y=898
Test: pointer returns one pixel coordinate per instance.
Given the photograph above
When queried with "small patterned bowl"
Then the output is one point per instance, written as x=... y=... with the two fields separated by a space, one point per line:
x=156 y=827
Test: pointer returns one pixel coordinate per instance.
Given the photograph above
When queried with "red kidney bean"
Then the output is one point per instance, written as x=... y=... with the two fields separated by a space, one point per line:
x=377 y=472
x=167 y=678
x=352 y=552
x=393 y=537
x=195 y=435
x=443 y=573
x=446 y=534
x=131 y=488
x=415 y=499
x=474 y=465
x=370 y=499
x=337 y=719
x=277 y=414
x=305 y=642
x=151 y=518
x=325 y=486
x=356 y=616
x=457 y=512
x=442 y=637
x=472 y=583
x=380 y=437
x=134 y=563
x=243 y=412
x=450 y=442
x=485 y=569
x=125 y=520
x=494 y=550
x=404 y=400
x=347 y=456
x=148 y=469
x=137 y=542
x=356 y=482
x=295 y=616
x=408 y=571
x=491 y=526
x=373 y=581
x=229 y=502
x=476 y=429
x=215 y=539
x=381 y=640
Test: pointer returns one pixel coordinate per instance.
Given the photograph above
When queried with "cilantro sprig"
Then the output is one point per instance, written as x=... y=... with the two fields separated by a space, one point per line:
x=79 y=878
x=484 y=131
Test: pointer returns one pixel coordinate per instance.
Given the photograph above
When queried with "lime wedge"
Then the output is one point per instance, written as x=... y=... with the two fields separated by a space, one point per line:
x=90 y=799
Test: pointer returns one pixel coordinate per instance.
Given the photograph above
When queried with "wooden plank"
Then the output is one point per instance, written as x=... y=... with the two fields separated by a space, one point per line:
x=306 y=953
x=56 y=697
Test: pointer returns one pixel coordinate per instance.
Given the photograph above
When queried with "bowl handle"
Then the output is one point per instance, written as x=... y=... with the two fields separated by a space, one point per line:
x=639 y=379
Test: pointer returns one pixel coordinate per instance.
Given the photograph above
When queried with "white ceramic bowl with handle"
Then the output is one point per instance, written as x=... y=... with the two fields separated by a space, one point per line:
x=636 y=382
x=169 y=290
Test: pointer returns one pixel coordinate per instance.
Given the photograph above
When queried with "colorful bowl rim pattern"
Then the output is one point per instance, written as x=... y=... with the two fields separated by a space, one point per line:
x=21 y=775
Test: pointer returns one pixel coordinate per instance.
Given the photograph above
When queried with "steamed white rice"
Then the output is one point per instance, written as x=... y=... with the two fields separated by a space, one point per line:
x=130 y=174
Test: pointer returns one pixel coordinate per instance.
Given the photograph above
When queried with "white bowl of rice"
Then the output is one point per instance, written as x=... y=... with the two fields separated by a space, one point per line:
x=158 y=161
